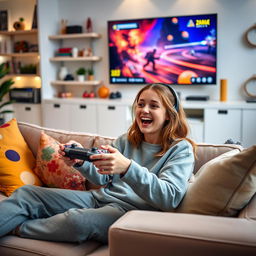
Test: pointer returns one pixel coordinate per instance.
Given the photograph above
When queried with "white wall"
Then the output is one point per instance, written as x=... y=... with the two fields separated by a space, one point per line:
x=236 y=60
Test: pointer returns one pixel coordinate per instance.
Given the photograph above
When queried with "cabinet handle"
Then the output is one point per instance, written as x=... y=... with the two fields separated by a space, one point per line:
x=27 y=108
x=83 y=106
x=111 y=107
x=56 y=105
x=223 y=112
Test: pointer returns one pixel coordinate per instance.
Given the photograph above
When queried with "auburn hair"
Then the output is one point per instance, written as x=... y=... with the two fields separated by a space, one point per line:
x=175 y=129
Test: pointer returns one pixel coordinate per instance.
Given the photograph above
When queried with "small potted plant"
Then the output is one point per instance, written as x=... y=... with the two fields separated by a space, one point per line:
x=90 y=74
x=5 y=87
x=81 y=72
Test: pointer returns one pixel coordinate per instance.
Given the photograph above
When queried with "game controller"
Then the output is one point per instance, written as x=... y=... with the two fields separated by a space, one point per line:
x=74 y=152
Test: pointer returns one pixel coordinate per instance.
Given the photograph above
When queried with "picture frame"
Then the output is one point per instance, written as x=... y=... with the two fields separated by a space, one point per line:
x=4 y=20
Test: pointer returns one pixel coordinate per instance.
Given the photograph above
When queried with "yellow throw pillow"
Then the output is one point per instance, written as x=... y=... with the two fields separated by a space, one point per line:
x=52 y=169
x=16 y=159
x=222 y=186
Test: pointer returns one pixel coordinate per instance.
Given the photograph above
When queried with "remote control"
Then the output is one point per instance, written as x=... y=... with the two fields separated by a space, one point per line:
x=75 y=152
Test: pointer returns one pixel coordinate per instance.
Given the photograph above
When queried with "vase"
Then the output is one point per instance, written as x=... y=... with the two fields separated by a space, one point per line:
x=81 y=78
x=63 y=73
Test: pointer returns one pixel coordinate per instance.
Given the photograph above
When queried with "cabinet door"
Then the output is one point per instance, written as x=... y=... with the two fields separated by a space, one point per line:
x=30 y=113
x=56 y=115
x=113 y=120
x=196 y=127
x=248 y=127
x=221 y=125
x=84 y=118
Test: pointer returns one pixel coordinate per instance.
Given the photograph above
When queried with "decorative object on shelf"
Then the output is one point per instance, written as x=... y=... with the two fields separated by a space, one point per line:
x=69 y=77
x=63 y=72
x=74 y=52
x=76 y=29
x=103 y=91
x=5 y=88
x=251 y=96
x=64 y=52
x=63 y=26
x=88 y=95
x=250 y=35
x=88 y=52
x=90 y=74
x=115 y=95
x=89 y=25
x=33 y=48
x=81 y=72
x=3 y=20
x=19 y=25
x=28 y=69
x=34 y=22
x=223 y=89
x=21 y=46
x=65 y=95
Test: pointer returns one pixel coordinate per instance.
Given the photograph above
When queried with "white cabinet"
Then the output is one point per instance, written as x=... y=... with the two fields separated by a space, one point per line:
x=248 y=128
x=56 y=115
x=105 y=119
x=30 y=113
x=222 y=124
x=83 y=118
x=196 y=131
x=113 y=120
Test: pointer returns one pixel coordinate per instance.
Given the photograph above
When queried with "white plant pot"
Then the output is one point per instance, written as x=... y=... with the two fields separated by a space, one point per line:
x=81 y=78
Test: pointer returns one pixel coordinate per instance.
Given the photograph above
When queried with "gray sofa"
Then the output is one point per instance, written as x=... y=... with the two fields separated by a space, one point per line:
x=149 y=233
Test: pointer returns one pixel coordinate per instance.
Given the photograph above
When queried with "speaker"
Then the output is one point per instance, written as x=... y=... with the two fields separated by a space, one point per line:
x=223 y=89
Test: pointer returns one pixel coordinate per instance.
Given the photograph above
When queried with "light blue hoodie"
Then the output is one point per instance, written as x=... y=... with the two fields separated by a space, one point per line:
x=151 y=183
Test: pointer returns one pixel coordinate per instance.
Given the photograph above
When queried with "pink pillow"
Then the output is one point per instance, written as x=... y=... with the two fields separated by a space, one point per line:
x=51 y=168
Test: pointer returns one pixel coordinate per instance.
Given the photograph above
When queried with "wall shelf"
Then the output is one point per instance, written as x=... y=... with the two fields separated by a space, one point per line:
x=18 y=32
x=92 y=58
x=75 y=36
x=75 y=83
x=20 y=55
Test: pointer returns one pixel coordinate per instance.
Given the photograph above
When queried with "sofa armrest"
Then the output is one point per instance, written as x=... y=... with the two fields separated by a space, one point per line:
x=158 y=233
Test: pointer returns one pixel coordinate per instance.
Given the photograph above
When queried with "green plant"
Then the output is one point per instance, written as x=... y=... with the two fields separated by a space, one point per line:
x=90 y=72
x=81 y=71
x=5 y=87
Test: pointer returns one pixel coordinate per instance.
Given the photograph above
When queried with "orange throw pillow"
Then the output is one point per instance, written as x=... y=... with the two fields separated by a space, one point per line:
x=52 y=169
x=16 y=159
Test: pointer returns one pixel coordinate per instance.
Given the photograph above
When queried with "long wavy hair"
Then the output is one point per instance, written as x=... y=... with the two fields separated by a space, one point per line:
x=174 y=129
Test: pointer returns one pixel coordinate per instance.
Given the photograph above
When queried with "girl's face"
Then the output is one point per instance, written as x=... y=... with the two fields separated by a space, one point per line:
x=150 y=115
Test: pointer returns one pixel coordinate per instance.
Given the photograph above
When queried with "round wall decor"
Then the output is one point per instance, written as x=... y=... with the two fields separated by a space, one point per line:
x=246 y=84
x=250 y=35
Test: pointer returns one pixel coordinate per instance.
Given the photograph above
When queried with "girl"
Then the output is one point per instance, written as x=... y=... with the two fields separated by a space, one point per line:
x=147 y=169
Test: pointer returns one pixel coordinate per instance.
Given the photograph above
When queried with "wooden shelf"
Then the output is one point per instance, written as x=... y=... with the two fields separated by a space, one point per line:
x=20 y=55
x=93 y=58
x=76 y=83
x=75 y=36
x=18 y=32
x=23 y=75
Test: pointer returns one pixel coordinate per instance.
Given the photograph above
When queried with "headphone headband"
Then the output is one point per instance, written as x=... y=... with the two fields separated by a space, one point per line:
x=175 y=96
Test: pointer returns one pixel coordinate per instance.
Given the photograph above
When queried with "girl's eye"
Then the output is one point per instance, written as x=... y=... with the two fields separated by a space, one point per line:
x=140 y=105
x=154 y=106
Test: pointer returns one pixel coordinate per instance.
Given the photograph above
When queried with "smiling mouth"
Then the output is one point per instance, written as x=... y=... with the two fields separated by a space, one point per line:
x=146 y=121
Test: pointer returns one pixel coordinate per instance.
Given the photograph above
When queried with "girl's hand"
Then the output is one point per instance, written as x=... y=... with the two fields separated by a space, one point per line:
x=68 y=161
x=111 y=163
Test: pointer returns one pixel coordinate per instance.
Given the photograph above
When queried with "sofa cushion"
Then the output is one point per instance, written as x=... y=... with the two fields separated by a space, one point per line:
x=223 y=186
x=53 y=170
x=16 y=159
x=249 y=211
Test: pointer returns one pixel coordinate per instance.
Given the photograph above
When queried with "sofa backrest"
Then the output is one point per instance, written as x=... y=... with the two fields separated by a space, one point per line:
x=31 y=134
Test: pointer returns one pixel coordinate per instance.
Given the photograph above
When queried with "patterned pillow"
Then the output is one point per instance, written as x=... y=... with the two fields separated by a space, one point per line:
x=16 y=159
x=52 y=169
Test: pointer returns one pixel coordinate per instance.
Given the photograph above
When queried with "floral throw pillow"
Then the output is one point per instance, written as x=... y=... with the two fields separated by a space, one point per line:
x=51 y=168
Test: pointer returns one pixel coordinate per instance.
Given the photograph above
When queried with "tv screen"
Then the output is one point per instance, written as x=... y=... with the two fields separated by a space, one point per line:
x=178 y=50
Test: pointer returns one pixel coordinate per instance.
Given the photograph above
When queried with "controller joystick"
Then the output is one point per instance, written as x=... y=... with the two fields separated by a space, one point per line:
x=74 y=152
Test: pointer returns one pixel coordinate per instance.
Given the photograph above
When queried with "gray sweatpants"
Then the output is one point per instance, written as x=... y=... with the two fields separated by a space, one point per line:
x=57 y=214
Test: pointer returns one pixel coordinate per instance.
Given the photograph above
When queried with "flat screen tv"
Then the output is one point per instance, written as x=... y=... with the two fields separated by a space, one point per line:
x=179 y=50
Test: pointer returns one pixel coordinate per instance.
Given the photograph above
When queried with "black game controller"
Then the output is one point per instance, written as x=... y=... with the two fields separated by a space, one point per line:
x=74 y=152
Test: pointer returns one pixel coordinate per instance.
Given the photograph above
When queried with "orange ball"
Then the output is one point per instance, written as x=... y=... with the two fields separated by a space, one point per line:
x=103 y=91
x=185 y=77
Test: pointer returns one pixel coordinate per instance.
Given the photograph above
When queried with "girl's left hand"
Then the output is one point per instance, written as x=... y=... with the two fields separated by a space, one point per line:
x=111 y=163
